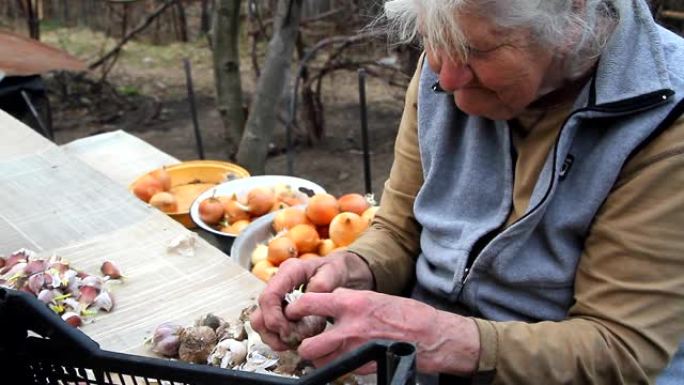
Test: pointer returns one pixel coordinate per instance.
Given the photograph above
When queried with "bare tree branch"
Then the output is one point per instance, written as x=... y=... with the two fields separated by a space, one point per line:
x=141 y=27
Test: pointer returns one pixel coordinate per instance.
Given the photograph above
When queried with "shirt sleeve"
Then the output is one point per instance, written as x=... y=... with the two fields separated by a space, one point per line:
x=392 y=243
x=628 y=316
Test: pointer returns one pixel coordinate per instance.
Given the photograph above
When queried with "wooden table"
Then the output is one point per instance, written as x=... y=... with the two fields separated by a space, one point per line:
x=72 y=201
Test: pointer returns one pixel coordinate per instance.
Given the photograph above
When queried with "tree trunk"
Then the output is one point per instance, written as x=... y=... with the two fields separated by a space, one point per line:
x=182 y=22
x=262 y=118
x=205 y=23
x=225 y=40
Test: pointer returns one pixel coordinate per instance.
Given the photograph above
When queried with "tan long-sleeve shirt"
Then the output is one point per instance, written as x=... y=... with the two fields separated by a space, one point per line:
x=628 y=315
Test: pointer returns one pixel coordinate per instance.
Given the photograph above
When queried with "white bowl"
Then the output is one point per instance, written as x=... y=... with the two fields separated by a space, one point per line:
x=257 y=232
x=241 y=187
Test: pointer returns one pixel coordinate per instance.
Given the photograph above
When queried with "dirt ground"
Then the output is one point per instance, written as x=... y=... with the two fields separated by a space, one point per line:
x=146 y=97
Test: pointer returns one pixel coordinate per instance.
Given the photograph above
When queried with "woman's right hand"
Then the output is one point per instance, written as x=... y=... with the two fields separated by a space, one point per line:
x=322 y=275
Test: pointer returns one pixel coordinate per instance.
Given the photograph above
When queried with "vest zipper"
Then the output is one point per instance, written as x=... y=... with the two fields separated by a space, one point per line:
x=636 y=104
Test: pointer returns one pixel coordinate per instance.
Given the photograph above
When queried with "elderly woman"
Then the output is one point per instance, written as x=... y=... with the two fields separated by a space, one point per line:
x=534 y=210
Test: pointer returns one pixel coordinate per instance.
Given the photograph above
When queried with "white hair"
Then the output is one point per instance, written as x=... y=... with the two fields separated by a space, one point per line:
x=580 y=28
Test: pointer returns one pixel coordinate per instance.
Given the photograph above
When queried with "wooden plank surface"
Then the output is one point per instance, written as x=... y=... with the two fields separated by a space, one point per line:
x=119 y=155
x=160 y=286
x=17 y=140
x=55 y=203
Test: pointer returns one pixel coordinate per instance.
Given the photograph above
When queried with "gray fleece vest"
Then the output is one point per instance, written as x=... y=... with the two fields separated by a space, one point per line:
x=526 y=271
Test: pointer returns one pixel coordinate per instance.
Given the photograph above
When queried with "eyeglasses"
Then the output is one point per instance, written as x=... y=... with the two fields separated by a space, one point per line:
x=436 y=88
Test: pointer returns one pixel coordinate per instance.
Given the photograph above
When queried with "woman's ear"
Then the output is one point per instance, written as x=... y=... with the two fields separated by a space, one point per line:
x=573 y=31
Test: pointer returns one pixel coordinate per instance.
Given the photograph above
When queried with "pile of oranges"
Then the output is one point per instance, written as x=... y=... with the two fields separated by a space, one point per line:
x=230 y=214
x=325 y=225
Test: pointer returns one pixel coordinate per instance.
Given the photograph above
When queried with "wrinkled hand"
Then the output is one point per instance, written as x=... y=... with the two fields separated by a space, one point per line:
x=339 y=269
x=446 y=342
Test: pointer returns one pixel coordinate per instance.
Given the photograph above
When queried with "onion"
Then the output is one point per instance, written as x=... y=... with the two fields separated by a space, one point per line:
x=346 y=227
x=355 y=203
x=288 y=218
x=233 y=210
x=280 y=249
x=259 y=254
x=163 y=177
x=264 y=270
x=306 y=256
x=236 y=228
x=211 y=211
x=326 y=246
x=260 y=200
x=165 y=202
x=304 y=237
x=369 y=214
x=321 y=209
x=146 y=187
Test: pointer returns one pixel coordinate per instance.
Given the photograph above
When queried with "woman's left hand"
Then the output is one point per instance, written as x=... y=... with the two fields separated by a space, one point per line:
x=446 y=342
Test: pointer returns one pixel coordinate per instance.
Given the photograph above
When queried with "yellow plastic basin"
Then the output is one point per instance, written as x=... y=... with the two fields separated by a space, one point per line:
x=192 y=178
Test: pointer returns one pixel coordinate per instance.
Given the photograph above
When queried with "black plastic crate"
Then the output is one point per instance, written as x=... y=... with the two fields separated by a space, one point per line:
x=56 y=353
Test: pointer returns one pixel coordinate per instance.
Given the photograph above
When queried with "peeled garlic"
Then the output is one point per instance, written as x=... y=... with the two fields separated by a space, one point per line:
x=228 y=354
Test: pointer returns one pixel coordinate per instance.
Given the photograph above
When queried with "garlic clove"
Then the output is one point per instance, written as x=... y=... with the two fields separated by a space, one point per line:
x=103 y=301
x=73 y=305
x=111 y=270
x=46 y=296
x=36 y=282
x=72 y=319
x=15 y=271
x=36 y=266
x=92 y=281
x=15 y=258
x=87 y=295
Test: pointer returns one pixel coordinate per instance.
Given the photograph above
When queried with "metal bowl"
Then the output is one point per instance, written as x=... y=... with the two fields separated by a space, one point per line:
x=241 y=187
x=257 y=232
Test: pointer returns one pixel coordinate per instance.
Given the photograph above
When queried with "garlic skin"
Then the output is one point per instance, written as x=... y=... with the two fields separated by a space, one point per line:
x=209 y=320
x=228 y=353
x=232 y=330
x=197 y=342
x=304 y=328
x=260 y=356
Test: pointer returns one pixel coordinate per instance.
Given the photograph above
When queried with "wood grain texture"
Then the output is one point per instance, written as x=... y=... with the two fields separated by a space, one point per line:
x=159 y=286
